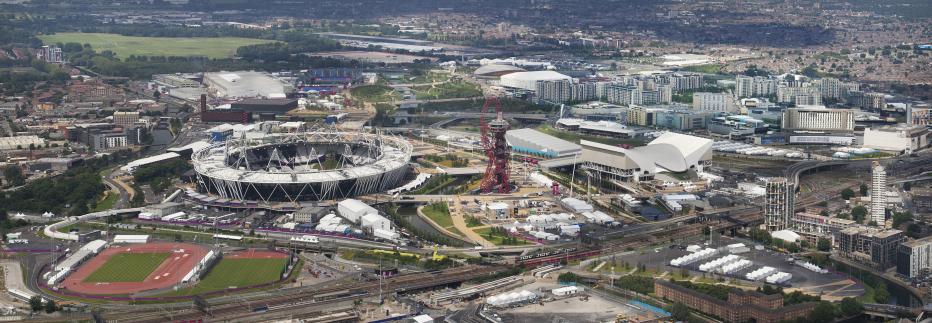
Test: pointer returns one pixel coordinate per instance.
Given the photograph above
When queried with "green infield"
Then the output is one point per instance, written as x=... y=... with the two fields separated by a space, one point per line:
x=124 y=46
x=128 y=267
x=238 y=272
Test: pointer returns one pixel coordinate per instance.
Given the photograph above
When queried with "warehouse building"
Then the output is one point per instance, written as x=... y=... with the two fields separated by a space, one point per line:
x=245 y=84
x=533 y=142
x=276 y=106
x=908 y=138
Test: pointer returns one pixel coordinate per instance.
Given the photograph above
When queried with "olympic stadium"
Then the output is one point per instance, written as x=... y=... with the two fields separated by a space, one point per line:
x=309 y=166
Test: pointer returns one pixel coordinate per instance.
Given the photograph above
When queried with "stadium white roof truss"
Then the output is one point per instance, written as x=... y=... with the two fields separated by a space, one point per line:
x=291 y=167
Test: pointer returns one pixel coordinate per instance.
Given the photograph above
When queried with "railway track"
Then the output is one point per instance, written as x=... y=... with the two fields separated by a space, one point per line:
x=301 y=297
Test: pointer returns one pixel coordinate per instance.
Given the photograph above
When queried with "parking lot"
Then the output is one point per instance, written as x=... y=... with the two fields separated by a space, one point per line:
x=831 y=284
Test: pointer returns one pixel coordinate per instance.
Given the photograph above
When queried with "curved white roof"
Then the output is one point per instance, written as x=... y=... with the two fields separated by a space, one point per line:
x=691 y=148
x=528 y=80
x=536 y=76
x=671 y=151
x=497 y=69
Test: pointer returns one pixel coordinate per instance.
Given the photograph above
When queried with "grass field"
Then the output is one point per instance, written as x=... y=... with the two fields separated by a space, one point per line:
x=107 y=203
x=441 y=216
x=499 y=240
x=127 y=267
x=237 y=272
x=124 y=46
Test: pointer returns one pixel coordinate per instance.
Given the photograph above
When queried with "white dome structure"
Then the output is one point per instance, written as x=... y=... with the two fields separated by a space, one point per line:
x=528 y=80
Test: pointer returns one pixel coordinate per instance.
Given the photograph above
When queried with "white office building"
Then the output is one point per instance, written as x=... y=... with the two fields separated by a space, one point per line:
x=818 y=119
x=878 y=193
x=713 y=102
x=757 y=86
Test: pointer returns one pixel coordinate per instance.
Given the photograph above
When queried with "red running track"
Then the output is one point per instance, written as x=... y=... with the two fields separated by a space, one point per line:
x=183 y=257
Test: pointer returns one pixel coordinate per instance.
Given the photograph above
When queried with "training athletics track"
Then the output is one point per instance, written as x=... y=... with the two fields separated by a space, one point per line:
x=183 y=257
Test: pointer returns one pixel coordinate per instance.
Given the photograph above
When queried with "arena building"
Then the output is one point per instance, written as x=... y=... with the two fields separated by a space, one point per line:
x=528 y=80
x=533 y=142
x=496 y=70
x=310 y=166
x=670 y=152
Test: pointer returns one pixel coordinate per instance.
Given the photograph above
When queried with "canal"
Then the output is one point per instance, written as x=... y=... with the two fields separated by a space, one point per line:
x=898 y=294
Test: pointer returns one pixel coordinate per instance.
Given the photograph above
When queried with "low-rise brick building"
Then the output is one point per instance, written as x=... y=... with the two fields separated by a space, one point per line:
x=740 y=306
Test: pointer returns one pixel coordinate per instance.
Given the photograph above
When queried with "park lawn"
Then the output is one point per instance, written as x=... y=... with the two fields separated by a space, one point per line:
x=439 y=217
x=107 y=203
x=497 y=239
x=449 y=90
x=373 y=93
x=124 y=46
x=238 y=272
x=707 y=68
x=442 y=219
x=128 y=267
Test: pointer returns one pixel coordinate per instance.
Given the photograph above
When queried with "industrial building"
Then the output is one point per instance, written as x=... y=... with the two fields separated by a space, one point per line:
x=896 y=138
x=533 y=142
x=245 y=84
x=273 y=106
x=737 y=127
x=670 y=152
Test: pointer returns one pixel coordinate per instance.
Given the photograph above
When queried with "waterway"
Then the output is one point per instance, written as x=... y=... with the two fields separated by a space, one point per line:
x=898 y=294
x=409 y=213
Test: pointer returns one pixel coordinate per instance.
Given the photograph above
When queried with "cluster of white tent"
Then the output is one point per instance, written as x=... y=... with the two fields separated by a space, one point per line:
x=856 y=151
x=736 y=266
x=813 y=267
x=847 y=152
x=417 y=182
x=718 y=263
x=540 y=179
x=598 y=217
x=748 y=149
x=577 y=205
x=544 y=235
x=332 y=223
x=509 y=299
x=551 y=221
x=737 y=248
x=779 y=278
x=760 y=273
x=568 y=290
x=693 y=257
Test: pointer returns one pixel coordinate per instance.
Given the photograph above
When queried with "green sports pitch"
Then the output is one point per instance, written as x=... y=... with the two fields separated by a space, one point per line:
x=238 y=272
x=127 y=267
x=124 y=46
